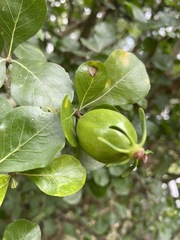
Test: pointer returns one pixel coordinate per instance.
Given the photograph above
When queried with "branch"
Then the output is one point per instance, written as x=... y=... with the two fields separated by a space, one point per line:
x=90 y=22
x=80 y=225
x=70 y=12
x=7 y=85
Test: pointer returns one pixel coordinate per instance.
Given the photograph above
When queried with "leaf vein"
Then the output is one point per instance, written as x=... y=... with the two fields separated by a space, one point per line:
x=25 y=142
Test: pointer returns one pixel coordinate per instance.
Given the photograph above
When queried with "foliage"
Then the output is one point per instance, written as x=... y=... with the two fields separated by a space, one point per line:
x=90 y=40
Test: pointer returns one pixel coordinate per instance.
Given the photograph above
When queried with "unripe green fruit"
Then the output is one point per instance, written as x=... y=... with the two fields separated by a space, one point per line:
x=108 y=137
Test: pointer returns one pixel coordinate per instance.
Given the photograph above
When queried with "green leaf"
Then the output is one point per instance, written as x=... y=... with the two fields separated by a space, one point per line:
x=29 y=138
x=69 y=45
x=122 y=186
x=101 y=177
x=2 y=71
x=14 y=183
x=116 y=171
x=149 y=152
x=87 y=161
x=40 y=84
x=104 y=35
x=28 y=51
x=143 y=103
x=40 y=35
x=4 y=182
x=97 y=190
x=128 y=170
x=137 y=12
x=74 y=199
x=20 y=20
x=105 y=106
x=5 y=107
x=22 y=230
x=90 y=80
x=128 y=81
x=163 y=166
x=142 y=117
x=62 y=177
x=67 y=121
x=162 y=61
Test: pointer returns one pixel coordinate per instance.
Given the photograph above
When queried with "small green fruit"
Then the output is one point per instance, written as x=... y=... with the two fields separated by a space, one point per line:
x=109 y=137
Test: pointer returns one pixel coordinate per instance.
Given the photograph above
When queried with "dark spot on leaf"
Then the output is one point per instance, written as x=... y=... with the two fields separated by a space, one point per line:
x=92 y=71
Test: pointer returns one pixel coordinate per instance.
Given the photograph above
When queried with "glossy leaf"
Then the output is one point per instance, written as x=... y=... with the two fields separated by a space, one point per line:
x=62 y=177
x=28 y=51
x=20 y=20
x=22 y=230
x=29 y=138
x=128 y=81
x=40 y=84
x=67 y=121
x=2 y=71
x=4 y=182
x=90 y=80
x=5 y=107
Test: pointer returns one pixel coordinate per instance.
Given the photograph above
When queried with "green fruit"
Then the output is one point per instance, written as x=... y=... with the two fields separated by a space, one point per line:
x=109 y=137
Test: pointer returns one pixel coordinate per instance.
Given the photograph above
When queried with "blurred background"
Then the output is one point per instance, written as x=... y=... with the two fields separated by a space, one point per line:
x=145 y=205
